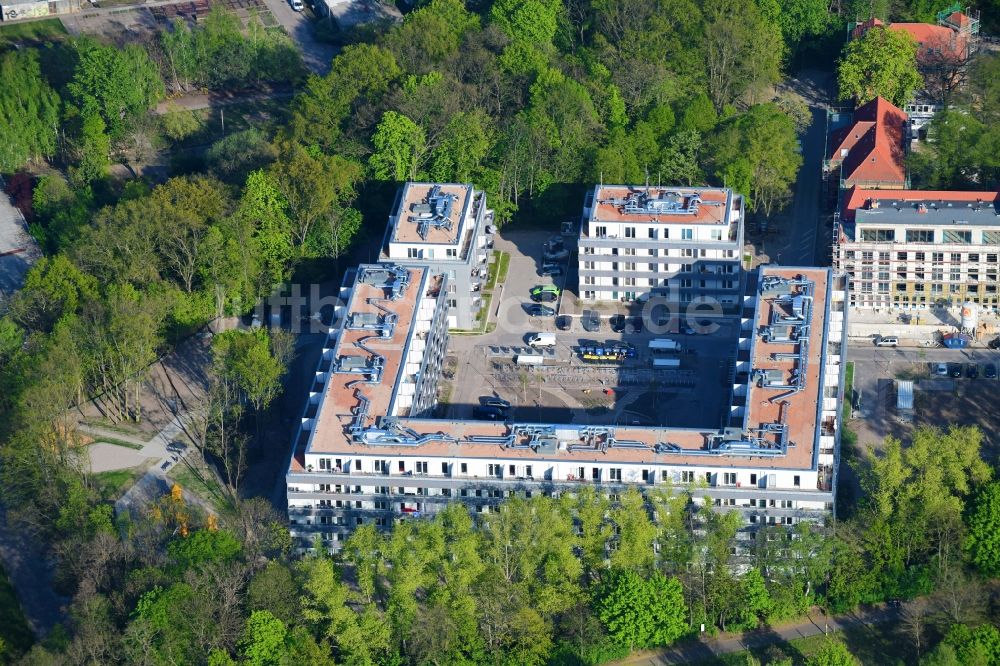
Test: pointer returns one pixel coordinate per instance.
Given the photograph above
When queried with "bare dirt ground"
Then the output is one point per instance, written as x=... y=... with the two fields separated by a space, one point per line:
x=174 y=384
x=969 y=402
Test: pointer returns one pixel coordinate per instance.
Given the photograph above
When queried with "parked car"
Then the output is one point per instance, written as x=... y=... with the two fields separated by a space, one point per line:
x=591 y=321
x=493 y=401
x=617 y=323
x=296 y=5
x=994 y=343
x=537 y=310
x=544 y=297
x=545 y=289
x=555 y=244
x=564 y=322
x=634 y=325
x=955 y=370
x=489 y=413
x=971 y=370
x=990 y=371
x=542 y=340
x=558 y=255
x=551 y=270
x=886 y=341
x=941 y=369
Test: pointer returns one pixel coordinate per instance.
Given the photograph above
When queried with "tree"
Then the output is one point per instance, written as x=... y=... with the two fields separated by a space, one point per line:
x=185 y=208
x=743 y=52
x=234 y=156
x=755 y=600
x=29 y=111
x=833 y=653
x=636 y=533
x=641 y=613
x=263 y=233
x=264 y=639
x=399 y=148
x=883 y=63
x=983 y=540
x=758 y=150
x=315 y=187
x=54 y=287
x=119 y=84
x=94 y=151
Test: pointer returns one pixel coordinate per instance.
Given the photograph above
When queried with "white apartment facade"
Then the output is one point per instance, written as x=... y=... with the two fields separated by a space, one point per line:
x=682 y=244
x=775 y=461
x=446 y=227
x=914 y=249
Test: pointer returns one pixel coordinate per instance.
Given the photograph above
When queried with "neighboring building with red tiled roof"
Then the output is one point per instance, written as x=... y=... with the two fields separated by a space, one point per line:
x=950 y=41
x=870 y=151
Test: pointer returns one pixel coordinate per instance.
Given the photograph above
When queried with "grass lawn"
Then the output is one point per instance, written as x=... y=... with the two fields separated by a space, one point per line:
x=32 y=32
x=111 y=485
x=14 y=629
x=198 y=479
x=118 y=442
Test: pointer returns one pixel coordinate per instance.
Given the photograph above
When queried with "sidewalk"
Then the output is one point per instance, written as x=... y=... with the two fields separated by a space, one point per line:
x=706 y=649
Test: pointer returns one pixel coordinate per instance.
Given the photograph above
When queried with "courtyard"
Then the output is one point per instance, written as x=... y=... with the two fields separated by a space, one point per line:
x=564 y=388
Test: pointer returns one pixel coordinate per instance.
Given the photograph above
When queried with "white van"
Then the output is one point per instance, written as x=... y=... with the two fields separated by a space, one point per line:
x=542 y=340
x=886 y=341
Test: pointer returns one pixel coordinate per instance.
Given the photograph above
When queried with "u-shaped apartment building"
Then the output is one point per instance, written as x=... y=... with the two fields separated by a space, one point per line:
x=368 y=451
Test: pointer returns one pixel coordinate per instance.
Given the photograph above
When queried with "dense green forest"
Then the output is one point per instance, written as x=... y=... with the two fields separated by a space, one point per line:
x=531 y=100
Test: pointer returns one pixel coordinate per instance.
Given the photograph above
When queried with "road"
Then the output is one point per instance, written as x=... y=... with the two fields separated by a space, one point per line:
x=802 y=238
x=212 y=100
x=316 y=55
x=814 y=624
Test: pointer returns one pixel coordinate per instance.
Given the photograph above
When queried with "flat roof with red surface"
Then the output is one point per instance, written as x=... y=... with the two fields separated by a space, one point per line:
x=797 y=410
x=340 y=393
x=625 y=203
x=414 y=203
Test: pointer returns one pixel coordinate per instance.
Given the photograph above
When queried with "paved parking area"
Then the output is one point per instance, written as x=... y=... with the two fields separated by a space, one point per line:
x=565 y=388
x=938 y=401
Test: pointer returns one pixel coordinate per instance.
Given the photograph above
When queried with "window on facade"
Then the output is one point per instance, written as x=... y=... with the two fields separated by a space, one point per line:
x=878 y=235
x=652 y=233
x=465 y=468
x=615 y=473
x=687 y=234
x=957 y=236
x=421 y=467
x=716 y=234
x=974 y=258
x=991 y=238
x=796 y=480
x=601 y=232
x=919 y=235
x=451 y=253
x=901 y=256
x=412 y=253
x=729 y=478
x=629 y=232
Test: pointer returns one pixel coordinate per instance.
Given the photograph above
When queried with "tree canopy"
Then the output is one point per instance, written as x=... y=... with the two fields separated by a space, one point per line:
x=883 y=63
